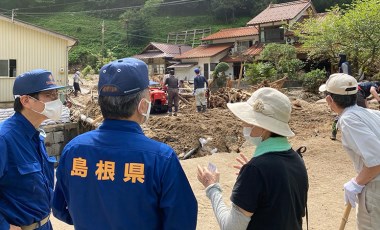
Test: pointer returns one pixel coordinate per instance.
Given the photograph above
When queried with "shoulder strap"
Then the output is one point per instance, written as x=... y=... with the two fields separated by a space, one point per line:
x=299 y=151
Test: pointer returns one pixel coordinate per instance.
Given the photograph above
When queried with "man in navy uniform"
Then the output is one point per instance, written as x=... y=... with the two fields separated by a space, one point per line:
x=200 y=91
x=26 y=171
x=115 y=177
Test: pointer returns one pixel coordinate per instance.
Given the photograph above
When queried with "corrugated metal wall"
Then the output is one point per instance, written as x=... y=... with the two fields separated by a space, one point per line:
x=32 y=50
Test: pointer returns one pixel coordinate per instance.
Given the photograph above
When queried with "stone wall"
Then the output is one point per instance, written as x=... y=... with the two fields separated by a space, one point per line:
x=57 y=136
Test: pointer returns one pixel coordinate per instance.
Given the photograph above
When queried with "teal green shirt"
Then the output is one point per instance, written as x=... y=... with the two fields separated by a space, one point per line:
x=272 y=144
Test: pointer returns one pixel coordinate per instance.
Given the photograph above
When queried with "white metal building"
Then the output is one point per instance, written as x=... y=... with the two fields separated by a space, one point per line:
x=24 y=47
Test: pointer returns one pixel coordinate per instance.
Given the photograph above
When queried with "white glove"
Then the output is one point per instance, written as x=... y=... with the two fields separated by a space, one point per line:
x=351 y=190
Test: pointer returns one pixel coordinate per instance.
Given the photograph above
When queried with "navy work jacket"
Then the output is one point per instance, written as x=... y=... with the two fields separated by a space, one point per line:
x=117 y=178
x=26 y=174
x=199 y=82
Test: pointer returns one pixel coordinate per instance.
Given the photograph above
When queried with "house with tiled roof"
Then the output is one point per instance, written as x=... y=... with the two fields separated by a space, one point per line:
x=225 y=45
x=158 y=56
x=205 y=57
x=238 y=45
x=272 y=23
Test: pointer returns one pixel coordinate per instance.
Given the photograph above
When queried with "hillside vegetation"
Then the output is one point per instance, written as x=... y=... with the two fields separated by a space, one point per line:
x=87 y=30
x=131 y=25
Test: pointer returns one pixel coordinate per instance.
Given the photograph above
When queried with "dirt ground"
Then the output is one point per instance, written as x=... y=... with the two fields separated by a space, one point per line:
x=328 y=165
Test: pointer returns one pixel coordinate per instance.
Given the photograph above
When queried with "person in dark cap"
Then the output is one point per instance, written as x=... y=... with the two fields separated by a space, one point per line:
x=26 y=170
x=200 y=91
x=365 y=89
x=344 y=65
x=115 y=177
x=173 y=95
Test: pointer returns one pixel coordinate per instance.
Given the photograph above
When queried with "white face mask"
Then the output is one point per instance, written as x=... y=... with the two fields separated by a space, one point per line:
x=247 y=135
x=52 y=110
x=147 y=113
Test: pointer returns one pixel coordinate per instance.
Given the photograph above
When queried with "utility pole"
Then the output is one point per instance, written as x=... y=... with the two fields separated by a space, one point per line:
x=102 y=40
x=13 y=13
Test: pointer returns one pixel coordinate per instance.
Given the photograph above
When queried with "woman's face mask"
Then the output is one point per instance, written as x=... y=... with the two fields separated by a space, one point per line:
x=253 y=140
x=52 y=109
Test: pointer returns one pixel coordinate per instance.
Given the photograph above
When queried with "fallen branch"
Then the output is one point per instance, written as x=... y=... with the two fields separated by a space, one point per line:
x=183 y=99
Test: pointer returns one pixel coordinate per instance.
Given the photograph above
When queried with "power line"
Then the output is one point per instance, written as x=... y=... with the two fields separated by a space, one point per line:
x=173 y=3
x=54 y=5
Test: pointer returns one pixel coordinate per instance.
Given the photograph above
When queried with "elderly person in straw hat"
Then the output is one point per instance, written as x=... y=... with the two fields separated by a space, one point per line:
x=271 y=189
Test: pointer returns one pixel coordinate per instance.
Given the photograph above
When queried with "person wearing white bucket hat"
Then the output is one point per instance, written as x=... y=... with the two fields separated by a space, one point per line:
x=271 y=189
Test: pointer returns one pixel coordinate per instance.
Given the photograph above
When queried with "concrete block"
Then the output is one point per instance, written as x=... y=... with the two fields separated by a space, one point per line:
x=49 y=140
x=59 y=137
x=55 y=149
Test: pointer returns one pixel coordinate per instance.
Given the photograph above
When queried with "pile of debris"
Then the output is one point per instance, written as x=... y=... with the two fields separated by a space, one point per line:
x=222 y=96
x=219 y=127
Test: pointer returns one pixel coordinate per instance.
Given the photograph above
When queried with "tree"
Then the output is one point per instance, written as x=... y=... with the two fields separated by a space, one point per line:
x=284 y=58
x=354 y=30
x=258 y=72
x=361 y=33
x=219 y=75
x=138 y=22
x=320 y=36
x=226 y=9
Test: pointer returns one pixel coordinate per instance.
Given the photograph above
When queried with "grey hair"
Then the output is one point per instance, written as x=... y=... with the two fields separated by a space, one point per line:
x=120 y=107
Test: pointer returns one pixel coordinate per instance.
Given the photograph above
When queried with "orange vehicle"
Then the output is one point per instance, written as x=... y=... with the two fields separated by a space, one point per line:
x=158 y=97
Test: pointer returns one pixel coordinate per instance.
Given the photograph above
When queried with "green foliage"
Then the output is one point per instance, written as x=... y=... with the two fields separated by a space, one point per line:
x=354 y=30
x=221 y=67
x=82 y=55
x=284 y=59
x=87 y=70
x=89 y=46
x=313 y=79
x=219 y=74
x=87 y=30
x=161 y=26
x=103 y=59
x=151 y=24
x=225 y=9
x=321 y=37
x=138 y=22
x=258 y=72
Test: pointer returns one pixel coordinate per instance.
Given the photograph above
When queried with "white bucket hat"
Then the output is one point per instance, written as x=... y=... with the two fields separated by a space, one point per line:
x=267 y=108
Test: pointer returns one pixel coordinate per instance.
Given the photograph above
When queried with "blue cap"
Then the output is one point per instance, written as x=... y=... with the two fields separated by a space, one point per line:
x=127 y=76
x=34 y=81
x=196 y=70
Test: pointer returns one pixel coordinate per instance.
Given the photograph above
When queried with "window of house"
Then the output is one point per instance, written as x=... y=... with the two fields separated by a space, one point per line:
x=213 y=66
x=273 y=34
x=8 y=68
x=12 y=68
x=242 y=46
